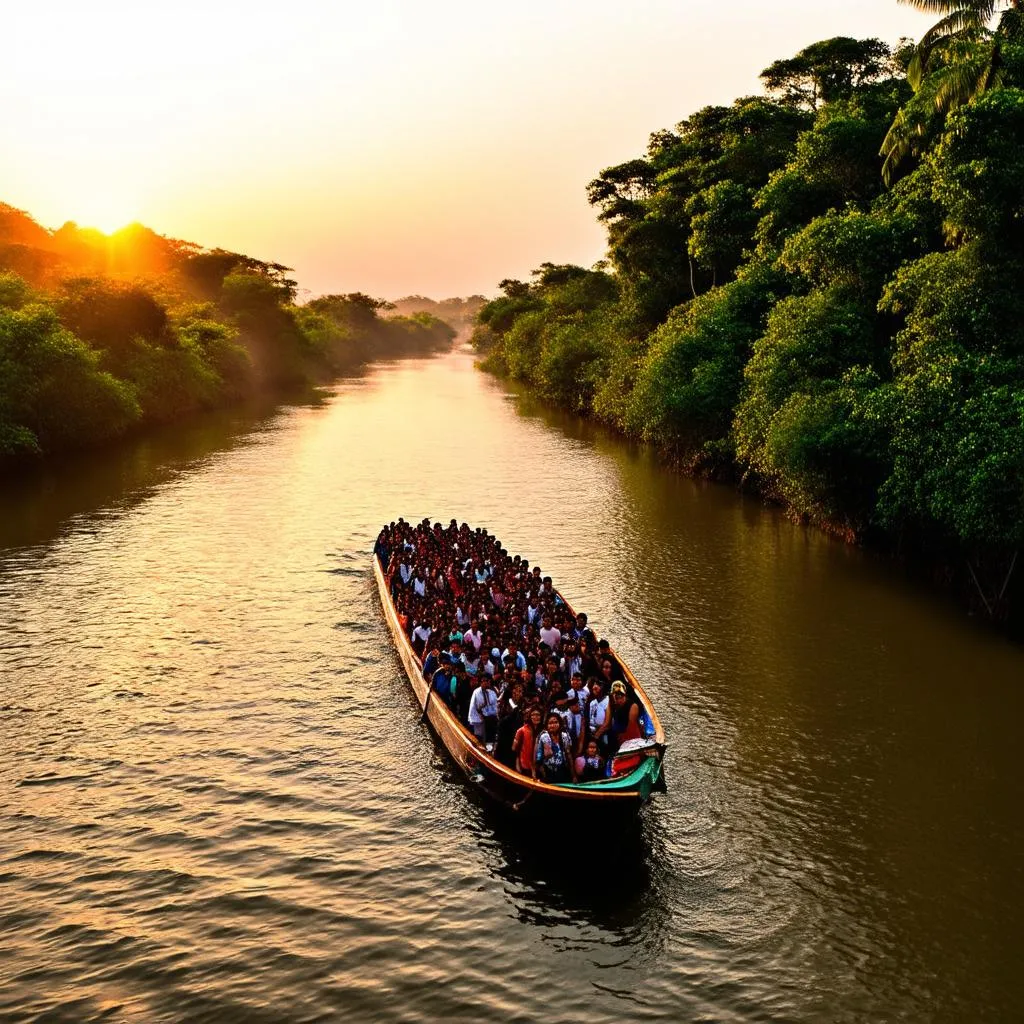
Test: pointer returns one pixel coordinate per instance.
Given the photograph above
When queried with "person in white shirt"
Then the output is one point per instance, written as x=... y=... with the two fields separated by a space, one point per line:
x=571 y=664
x=483 y=711
x=550 y=634
x=598 y=719
x=579 y=690
x=473 y=634
x=421 y=637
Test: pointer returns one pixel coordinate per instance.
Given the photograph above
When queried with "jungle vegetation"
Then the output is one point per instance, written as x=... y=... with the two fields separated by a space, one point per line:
x=818 y=291
x=101 y=335
x=458 y=312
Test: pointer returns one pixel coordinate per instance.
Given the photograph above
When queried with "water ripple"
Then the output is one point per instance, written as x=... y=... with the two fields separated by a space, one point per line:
x=218 y=802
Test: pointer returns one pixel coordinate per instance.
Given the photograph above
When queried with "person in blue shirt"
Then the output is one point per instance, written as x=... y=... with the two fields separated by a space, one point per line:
x=513 y=657
x=441 y=681
x=431 y=663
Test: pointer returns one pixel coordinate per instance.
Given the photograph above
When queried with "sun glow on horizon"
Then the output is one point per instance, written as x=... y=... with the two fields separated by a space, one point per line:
x=104 y=224
x=91 y=202
x=391 y=148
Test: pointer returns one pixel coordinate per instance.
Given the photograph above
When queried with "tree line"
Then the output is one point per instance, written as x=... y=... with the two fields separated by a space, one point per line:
x=817 y=291
x=102 y=335
x=459 y=312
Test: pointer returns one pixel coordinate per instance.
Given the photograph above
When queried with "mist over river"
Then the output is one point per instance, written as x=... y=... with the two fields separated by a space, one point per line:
x=218 y=803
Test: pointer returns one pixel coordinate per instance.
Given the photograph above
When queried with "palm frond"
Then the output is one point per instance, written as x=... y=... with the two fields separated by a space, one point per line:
x=918 y=67
x=964 y=22
x=906 y=136
x=1011 y=24
x=984 y=8
x=956 y=85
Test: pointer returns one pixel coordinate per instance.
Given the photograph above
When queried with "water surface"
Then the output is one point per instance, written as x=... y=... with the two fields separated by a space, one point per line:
x=218 y=803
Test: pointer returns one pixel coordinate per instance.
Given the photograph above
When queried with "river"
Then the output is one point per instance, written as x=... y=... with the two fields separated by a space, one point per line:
x=218 y=803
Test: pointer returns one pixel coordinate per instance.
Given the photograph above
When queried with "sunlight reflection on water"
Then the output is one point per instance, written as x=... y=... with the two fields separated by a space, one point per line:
x=218 y=801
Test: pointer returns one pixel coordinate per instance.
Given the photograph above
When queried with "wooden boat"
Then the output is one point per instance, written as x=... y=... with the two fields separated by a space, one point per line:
x=622 y=793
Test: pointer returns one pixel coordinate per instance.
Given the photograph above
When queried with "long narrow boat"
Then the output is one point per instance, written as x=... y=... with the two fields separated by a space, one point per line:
x=612 y=796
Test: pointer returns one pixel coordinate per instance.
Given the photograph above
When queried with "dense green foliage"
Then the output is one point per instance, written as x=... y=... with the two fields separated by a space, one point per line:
x=100 y=335
x=772 y=310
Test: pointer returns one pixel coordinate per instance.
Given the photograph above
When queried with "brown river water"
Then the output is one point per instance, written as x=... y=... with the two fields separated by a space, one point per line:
x=217 y=801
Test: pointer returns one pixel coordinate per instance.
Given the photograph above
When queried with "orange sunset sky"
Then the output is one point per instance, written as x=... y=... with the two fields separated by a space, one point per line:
x=389 y=147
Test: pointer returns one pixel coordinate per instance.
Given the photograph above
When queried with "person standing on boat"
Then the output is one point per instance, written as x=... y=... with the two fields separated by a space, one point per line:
x=513 y=657
x=555 y=763
x=589 y=665
x=580 y=628
x=473 y=634
x=550 y=634
x=462 y=691
x=510 y=719
x=431 y=662
x=441 y=681
x=483 y=711
x=498 y=681
x=590 y=764
x=524 y=744
x=624 y=715
x=454 y=649
x=421 y=637
x=571 y=663
x=471 y=659
x=604 y=653
x=573 y=719
x=608 y=678
x=598 y=718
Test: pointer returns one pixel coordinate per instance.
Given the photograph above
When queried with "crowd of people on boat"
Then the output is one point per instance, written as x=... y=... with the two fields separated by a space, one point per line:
x=525 y=675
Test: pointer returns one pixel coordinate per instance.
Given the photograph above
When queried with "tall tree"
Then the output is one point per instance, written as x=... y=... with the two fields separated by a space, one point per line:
x=958 y=59
x=828 y=70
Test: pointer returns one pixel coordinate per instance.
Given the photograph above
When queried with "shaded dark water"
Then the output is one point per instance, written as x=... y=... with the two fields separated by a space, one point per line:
x=218 y=803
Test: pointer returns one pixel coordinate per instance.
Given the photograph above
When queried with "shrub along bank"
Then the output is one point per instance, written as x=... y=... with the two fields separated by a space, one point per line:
x=103 y=335
x=818 y=291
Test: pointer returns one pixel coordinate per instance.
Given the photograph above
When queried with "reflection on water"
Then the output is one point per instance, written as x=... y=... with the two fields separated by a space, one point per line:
x=218 y=801
x=37 y=504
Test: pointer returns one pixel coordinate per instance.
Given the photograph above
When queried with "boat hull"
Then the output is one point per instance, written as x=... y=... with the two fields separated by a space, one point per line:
x=520 y=793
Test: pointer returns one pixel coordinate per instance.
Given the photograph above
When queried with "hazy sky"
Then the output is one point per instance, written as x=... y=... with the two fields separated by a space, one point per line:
x=391 y=146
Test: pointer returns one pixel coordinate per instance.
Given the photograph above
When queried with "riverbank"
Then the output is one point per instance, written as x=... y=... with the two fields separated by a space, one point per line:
x=990 y=591
x=106 y=336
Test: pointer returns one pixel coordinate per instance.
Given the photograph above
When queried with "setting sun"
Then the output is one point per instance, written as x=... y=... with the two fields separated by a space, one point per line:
x=99 y=205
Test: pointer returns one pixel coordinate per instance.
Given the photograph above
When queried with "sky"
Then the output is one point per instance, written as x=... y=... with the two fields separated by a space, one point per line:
x=392 y=146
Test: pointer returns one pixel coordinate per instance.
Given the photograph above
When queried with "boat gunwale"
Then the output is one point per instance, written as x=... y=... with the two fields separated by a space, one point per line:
x=472 y=753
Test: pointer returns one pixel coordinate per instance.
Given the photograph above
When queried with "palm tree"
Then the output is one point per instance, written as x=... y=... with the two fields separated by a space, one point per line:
x=957 y=59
